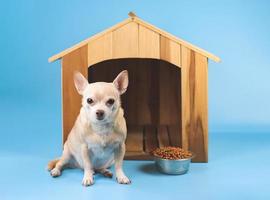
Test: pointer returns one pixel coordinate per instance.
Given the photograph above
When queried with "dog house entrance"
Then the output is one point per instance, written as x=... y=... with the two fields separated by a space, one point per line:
x=152 y=103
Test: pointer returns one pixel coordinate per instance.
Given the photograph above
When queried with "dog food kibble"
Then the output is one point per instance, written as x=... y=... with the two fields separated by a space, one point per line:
x=171 y=153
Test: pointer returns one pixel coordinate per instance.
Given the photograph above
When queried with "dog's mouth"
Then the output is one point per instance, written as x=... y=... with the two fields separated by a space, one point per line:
x=100 y=118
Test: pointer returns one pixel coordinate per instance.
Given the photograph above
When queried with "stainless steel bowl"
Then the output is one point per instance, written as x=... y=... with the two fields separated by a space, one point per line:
x=176 y=167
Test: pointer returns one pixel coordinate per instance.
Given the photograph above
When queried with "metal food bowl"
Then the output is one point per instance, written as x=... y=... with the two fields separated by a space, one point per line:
x=174 y=167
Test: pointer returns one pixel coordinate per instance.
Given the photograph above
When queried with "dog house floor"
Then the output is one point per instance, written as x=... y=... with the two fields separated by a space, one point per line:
x=141 y=140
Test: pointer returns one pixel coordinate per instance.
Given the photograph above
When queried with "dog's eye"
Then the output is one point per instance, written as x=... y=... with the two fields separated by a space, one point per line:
x=110 y=102
x=90 y=101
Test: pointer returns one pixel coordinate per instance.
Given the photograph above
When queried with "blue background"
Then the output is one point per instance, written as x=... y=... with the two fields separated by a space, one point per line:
x=30 y=95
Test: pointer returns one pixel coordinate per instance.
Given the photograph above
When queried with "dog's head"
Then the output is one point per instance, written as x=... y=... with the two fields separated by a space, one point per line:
x=101 y=100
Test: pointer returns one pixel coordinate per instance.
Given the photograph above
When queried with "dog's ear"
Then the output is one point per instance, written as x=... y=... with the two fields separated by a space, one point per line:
x=121 y=82
x=80 y=82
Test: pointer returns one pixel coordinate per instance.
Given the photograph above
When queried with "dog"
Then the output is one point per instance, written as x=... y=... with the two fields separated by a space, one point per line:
x=97 y=139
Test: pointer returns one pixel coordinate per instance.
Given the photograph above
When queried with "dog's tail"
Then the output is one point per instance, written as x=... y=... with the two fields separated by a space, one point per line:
x=52 y=164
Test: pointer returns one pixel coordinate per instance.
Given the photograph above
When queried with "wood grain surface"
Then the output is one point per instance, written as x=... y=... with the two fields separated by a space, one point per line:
x=71 y=100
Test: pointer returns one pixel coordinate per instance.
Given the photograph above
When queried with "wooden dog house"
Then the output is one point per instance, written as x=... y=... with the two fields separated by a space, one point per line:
x=166 y=101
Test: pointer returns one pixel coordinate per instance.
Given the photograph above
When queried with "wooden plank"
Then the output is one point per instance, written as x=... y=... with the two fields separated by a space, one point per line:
x=175 y=135
x=100 y=49
x=149 y=42
x=185 y=96
x=169 y=93
x=199 y=138
x=177 y=40
x=138 y=101
x=125 y=41
x=153 y=97
x=194 y=104
x=137 y=156
x=86 y=41
x=134 y=141
x=163 y=136
x=170 y=51
x=150 y=139
x=71 y=100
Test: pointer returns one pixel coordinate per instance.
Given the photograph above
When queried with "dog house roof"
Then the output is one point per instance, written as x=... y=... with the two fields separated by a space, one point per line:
x=134 y=18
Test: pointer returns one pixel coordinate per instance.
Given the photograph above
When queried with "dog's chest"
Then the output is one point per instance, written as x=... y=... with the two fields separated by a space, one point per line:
x=102 y=145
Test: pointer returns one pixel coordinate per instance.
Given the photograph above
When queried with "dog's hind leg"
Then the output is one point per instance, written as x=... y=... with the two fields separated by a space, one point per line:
x=60 y=163
x=52 y=164
x=105 y=172
x=104 y=169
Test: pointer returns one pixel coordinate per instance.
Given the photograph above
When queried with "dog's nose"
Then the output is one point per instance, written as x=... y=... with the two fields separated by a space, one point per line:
x=100 y=114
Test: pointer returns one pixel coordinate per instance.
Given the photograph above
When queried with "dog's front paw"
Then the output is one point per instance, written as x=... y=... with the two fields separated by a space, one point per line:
x=55 y=172
x=123 y=179
x=88 y=180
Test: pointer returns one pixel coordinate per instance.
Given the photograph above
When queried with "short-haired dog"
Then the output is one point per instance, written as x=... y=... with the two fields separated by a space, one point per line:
x=97 y=139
